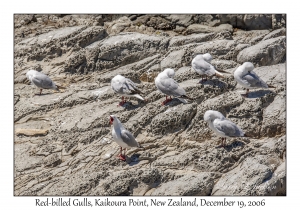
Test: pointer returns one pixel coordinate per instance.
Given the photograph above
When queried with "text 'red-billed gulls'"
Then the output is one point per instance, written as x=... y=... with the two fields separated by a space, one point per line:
x=122 y=136
x=201 y=64
x=125 y=87
x=222 y=126
x=247 y=78
x=168 y=86
x=40 y=80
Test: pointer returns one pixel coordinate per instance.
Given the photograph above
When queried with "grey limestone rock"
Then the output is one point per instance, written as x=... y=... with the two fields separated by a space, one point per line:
x=253 y=174
x=267 y=52
x=198 y=28
x=194 y=184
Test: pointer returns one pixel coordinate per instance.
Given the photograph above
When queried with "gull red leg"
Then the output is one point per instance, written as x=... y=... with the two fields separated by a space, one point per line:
x=167 y=100
x=120 y=156
x=122 y=102
x=120 y=152
x=41 y=91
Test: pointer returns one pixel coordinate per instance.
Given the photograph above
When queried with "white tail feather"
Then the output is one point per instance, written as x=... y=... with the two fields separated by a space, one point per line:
x=182 y=100
x=219 y=74
x=139 y=97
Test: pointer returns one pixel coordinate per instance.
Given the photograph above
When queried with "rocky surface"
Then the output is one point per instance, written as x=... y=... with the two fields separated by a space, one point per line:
x=63 y=143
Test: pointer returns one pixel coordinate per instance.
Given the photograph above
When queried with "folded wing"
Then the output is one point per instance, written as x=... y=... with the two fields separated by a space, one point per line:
x=228 y=128
x=203 y=67
x=170 y=87
x=129 y=139
x=42 y=81
x=125 y=86
x=253 y=80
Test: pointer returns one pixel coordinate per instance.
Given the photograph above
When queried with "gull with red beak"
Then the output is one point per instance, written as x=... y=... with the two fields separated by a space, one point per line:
x=122 y=136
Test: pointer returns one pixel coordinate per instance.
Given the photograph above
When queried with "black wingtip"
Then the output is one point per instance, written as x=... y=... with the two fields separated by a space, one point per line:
x=271 y=86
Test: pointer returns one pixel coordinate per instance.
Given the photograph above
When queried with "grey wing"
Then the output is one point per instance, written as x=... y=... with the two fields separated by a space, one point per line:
x=127 y=87
x=170 y=87
x=129 y=139
x=254 y=81
x=202 y=67
x=132 y=86
x=228 y=128
x=43 y=81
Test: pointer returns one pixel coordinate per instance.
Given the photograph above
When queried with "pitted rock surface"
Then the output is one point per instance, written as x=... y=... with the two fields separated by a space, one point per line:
x=63 y=144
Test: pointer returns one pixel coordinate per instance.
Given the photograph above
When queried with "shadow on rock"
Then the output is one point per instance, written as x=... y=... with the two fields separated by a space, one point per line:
x=129 y=106
x=133 y=160
x=259 y=93
x=232 y=146
x=43 y=94
x=214 y=83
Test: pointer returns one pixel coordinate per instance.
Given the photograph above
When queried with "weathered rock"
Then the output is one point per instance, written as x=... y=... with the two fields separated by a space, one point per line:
x=197 y=38
x=122 y=49
x=194 y=184
x=253 y=175
x=32 y=132
x=248 y=22
x=250 y=37
x=118 y=26
x=274 y=117
x=181 y=20
x=275 y=33
x=257 y=22
x=173 y=119
x=268 y=52
x=197 y=28
x=278 y=21
x=235 y=20
x=173 y=60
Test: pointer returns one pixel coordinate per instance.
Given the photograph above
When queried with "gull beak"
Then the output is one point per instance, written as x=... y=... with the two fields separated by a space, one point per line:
x=111 y=120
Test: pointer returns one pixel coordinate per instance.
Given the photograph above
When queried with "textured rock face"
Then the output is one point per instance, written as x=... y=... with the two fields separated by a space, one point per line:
x=257 y=176
x=63 y=142
x=267 y=52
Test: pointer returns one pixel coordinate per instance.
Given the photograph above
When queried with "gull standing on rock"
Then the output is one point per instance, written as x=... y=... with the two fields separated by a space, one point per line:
x=168 y=86
x=201 y=64
x=222 y=126
x=247 y=78
x=122 y=136
x=40 y=80
x=125 y=87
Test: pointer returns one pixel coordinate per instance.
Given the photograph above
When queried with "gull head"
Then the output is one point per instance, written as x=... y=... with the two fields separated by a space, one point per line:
x=30 y=74
x=169 y=72
x=207 y=57
x=112 y=118
x=247 y=67
x=198 y=57
x=211 y=115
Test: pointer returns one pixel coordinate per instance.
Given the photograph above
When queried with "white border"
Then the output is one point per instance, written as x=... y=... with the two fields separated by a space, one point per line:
x=8 y=8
